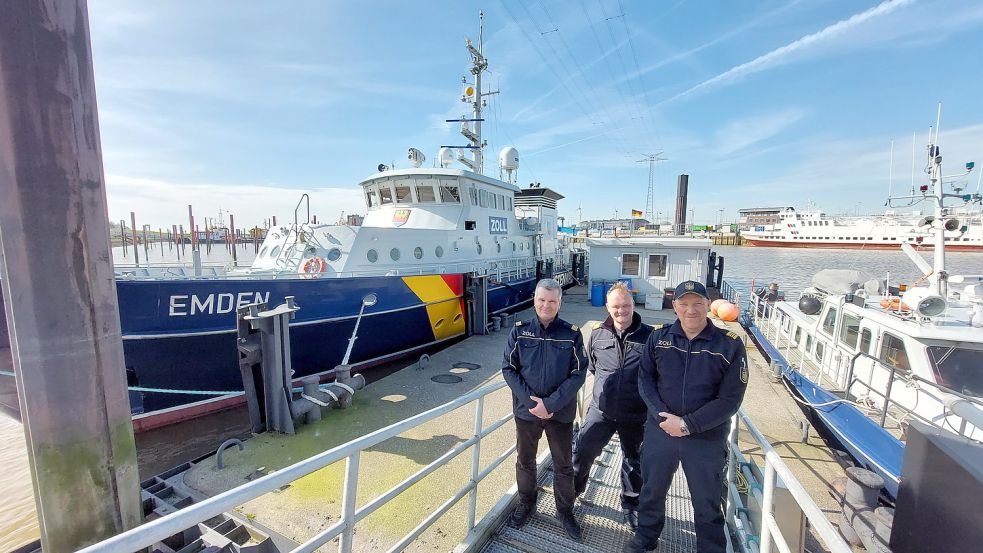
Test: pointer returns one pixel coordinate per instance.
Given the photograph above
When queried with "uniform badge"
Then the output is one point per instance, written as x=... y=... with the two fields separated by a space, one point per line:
x=574 y=328
x=744 y=371
x=689 y=286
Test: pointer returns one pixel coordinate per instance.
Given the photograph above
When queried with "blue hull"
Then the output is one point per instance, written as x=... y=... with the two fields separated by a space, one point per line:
x=871 y=446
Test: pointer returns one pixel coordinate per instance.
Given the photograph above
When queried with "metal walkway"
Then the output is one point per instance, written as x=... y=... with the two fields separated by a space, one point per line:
x=600 y=515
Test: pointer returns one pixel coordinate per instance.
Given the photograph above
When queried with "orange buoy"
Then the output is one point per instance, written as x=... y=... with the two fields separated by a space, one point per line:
x=894 y=303
x=728 y=311
x=717 y=303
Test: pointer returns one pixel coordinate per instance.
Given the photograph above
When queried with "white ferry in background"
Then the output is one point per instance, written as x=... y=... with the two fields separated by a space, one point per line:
x=963 y=229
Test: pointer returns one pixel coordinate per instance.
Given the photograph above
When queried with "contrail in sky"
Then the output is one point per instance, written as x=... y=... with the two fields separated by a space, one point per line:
x=776 y=56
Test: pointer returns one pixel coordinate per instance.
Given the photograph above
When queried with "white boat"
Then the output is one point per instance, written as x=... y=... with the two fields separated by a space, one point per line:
x=866 y=357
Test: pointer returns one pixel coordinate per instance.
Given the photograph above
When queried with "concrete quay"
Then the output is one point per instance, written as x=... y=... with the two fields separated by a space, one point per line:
x=313 y=503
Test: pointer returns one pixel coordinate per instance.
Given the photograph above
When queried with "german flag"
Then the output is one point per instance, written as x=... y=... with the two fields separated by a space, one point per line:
x=636 y=213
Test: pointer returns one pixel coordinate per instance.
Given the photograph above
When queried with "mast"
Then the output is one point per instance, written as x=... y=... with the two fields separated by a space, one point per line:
x=479 y=64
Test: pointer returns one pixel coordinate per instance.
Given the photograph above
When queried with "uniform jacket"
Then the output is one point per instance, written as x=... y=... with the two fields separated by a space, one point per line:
x=615 y=362
x=701 y=380
x=548 y=363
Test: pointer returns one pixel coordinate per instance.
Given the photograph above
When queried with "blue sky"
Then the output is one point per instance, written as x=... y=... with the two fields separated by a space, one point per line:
x=245 y=105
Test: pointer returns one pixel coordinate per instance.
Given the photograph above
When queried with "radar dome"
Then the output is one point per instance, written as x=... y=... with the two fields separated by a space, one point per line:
x=508 y=163
x=446 y=157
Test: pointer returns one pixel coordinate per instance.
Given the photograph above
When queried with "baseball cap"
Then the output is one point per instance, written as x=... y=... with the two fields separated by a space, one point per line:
x=690 y=287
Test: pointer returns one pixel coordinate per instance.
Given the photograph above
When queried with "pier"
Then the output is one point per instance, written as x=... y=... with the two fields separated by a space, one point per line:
x=410 y=441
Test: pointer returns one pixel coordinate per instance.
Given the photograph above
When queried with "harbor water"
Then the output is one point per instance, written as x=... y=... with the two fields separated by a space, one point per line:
x=791 y=268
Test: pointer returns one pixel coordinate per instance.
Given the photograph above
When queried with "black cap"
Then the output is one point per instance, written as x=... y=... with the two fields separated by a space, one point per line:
x=690 y=287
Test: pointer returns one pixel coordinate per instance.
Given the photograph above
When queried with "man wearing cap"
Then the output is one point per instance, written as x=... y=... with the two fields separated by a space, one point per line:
x=692 y=378
x=545 y=366
x=614 y=353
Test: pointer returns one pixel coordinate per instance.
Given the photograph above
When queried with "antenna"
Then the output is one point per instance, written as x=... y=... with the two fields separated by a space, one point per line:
x=890 y=175
x=651 y=159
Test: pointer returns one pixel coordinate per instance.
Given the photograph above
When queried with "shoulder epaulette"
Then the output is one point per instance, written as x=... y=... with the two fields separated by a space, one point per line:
x=657 y=327
x=596 y=325
x=574 y=328
x=732 y=335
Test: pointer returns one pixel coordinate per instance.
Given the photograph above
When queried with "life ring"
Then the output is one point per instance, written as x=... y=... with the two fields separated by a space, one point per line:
x=894 y=304
x=314 y=265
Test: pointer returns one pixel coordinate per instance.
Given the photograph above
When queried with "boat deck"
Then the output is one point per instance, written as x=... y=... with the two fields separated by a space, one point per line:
x=599 y=511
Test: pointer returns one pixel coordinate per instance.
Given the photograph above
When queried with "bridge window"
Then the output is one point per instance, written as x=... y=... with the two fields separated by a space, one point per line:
x=483 y=198
x=403 y=195
x=865 y=341
x=957 y=368
x=830 y=321
x=474 y=195
x=385 y=195
x=450 y=194
x=850 y=330
x=424 y=194
x=371 y=198
x=629 y=264
x=893 y=353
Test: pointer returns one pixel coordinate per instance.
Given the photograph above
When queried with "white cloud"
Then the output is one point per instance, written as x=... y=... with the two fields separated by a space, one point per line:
x=742 y=133
x=161 y=203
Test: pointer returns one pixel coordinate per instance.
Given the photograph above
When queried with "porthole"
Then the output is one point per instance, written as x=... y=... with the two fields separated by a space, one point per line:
x=310 y=250
x=276 y=250
x=439 y=251
x=263 y=251
x=334 y=254
x=372 y=256
x=418 y=252
x=394 y=254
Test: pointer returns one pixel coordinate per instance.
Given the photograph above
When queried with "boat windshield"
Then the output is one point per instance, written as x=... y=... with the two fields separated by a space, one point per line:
x=958 y=368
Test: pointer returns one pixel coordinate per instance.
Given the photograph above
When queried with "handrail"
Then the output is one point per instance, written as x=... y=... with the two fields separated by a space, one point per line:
x=775 y=467
x=302 y=197
x=164 y=527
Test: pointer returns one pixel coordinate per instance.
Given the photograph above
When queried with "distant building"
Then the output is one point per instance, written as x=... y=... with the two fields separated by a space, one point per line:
x=607 y=226
x=758 y=216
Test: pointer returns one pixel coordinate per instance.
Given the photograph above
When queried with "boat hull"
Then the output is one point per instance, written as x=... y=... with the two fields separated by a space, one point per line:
x=853 y=245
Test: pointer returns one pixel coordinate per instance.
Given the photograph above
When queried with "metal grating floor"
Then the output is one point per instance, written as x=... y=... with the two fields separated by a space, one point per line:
x=599 y=513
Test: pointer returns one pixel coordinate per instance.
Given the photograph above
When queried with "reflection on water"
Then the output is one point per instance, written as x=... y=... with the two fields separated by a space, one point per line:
x=162 y=449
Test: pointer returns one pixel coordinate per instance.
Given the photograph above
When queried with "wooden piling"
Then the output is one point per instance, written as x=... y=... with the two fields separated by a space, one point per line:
x=133 y=223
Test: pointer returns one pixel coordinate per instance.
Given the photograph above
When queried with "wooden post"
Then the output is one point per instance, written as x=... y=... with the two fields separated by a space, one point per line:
x=133 y=224
x=61 y=306
x=174 y=241
x=122 y=235
x=191 y=229
x=232 y=235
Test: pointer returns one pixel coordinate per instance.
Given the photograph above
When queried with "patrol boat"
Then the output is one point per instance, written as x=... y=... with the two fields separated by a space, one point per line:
x=428 y=235
x=866 y=358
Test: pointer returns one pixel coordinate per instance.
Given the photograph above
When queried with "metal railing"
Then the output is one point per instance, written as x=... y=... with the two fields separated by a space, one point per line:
x=775 y=468
x=175 y=523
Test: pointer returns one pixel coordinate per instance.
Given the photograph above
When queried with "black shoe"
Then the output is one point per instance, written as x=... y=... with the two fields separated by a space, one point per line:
x=571 y=525
x=521 y=514
x=631 y=519
x=639 y=545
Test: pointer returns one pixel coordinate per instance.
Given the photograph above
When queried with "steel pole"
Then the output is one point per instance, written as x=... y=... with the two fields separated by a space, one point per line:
x=61 y=306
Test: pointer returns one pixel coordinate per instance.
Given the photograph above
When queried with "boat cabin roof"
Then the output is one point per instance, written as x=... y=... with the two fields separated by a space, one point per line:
x=436 y=172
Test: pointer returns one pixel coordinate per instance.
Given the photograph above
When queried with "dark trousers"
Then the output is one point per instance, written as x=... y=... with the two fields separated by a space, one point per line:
x=704 y=460
x=559 y=436
x=593 y=436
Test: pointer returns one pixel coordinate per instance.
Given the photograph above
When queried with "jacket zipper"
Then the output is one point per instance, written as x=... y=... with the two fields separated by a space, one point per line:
x=689 y=354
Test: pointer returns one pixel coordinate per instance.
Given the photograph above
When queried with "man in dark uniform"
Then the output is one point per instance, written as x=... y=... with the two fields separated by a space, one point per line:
x=693 y=376
x=614 y=353
x=545 y=366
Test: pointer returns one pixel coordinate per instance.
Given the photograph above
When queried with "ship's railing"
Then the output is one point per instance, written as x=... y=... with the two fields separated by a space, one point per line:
x=175 y=523
x=775 y=468
x=829 y=372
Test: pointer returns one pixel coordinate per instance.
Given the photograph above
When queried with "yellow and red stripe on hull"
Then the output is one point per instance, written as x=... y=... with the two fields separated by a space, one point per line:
x=444 y=298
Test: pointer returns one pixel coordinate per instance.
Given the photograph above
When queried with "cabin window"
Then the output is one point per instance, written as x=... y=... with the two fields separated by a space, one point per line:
x=850 y=330
x=439 y=251
x=424 y=194
x=450 y=194
x=865 y=341
x=371 y=198
x=629 y=264
x=478 y=249
x=808 y=343
x=276 y=250
x=958 y=368
x=830 y=321
x=403 y=195
x=470 y=225
x=483 y=198
x=394 y=254
x=474 y=195
x=334 y=254
x=511 y=208
x=658 y=264
x=385 y=195
x=820 y=349
x=798 y=335
x=893 y=353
